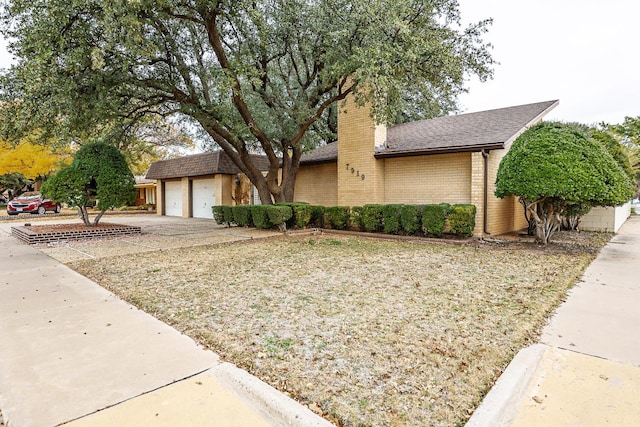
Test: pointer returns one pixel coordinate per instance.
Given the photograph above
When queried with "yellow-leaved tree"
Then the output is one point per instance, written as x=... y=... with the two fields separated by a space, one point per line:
x=33 y=161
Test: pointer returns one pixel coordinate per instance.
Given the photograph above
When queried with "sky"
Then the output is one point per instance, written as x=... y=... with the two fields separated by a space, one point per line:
x=580 y=52
x=583 y=53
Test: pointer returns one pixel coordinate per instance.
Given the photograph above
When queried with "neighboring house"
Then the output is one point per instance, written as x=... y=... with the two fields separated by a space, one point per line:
x=452 y=159
x=146 y=194
x=190 y=186
x=605 y=219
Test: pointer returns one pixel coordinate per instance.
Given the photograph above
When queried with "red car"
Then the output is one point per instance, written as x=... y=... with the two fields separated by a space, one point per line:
x=31 y=202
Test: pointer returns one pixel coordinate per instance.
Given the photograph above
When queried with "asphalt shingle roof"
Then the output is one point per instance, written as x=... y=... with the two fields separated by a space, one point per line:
x=215 y=162
x=464 y=132
x=322 y=154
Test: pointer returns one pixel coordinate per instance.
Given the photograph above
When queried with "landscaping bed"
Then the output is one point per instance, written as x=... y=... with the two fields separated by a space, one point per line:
x=33 y=234
x=363 y=331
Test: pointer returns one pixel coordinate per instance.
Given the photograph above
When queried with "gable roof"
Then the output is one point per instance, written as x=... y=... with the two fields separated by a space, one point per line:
x=485 y=130
x=211 y=163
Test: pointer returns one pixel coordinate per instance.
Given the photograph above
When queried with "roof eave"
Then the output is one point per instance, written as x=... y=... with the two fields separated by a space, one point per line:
x=440 y=150
x=317 y=162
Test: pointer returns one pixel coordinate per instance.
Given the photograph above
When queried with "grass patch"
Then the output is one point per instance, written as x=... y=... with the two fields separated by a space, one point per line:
x=363 y=331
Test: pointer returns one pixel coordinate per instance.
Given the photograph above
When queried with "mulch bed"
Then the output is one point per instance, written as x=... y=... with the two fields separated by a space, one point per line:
x=33 y=234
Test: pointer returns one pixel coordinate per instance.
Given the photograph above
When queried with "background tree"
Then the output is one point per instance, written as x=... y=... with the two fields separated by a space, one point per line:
x=553 y=166
x=33 y=161
x=628 y=134
x=99 y=172
x=13 y=184
x=253 y=76
x=153 y=139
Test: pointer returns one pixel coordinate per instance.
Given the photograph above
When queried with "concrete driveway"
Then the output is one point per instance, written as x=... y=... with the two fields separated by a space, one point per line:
x=74 y=353
x=158 y=233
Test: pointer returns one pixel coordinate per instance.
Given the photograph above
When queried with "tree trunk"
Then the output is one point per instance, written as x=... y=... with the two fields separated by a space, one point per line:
x=288 y=184
x=570 y=223
x=84 y=214
x=531 y=222
x=284 y=190
x=547 y=219
x=97 y=218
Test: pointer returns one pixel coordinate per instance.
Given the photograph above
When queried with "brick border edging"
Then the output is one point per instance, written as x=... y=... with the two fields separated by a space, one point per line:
x=32 y=237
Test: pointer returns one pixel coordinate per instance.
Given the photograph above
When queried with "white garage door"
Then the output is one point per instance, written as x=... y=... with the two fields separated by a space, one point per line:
x=173 y=198
x=204 y=197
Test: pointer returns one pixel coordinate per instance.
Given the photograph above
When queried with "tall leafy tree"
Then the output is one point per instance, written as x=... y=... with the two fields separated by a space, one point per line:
x=33 y=161
x=13 y=184
x=99 y=173
x=253 y=76
x=553 y=167
x=628 y=134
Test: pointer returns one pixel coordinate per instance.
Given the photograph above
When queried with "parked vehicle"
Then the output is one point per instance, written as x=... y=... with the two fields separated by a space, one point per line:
x=31 y=202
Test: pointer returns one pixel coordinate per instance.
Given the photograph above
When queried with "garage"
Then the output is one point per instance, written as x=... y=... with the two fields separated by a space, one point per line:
x=192 y=185
x=173 y=198
x=203 y=198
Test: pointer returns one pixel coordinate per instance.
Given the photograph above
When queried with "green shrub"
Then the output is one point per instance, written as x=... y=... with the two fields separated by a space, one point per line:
x=355 y=219
x=372 y=218
x=227 y=212
x=391 y=218
x=242 y=215
x=462 y=219
x=218 y=215
x=317 y=216
x=260 y=216
x=337 y=217
x=411 y=219
x=279 y=214
x=302 y=214
x=434 y=219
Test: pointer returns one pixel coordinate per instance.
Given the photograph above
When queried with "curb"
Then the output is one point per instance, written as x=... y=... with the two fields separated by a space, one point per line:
x=277 y=408
x=501 y=404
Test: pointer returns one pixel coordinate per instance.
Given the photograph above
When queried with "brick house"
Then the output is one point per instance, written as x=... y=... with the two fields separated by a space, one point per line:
x=146 y=191
x=190 y=186
x=451 y=159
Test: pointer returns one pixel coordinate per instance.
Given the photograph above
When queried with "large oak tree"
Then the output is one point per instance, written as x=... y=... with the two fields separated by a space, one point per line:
x=255 y=76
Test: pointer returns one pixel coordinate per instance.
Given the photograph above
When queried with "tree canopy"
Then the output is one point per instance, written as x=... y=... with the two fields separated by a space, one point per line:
x=13 y=183
x=553 y=166
x=32 y=161
x=98 y=173
x=253 y=76
x=628 y=134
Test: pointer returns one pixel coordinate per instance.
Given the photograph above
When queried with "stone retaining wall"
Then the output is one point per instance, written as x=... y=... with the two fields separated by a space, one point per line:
x=32 y=237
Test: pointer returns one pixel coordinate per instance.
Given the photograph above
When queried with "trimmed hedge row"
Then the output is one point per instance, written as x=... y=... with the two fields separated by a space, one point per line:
x=412 y=220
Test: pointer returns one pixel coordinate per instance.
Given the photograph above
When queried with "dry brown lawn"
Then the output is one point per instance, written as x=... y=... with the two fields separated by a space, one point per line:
x=363 y=331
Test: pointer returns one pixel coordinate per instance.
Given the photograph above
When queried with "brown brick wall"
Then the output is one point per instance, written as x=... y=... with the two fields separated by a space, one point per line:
x=97 y=232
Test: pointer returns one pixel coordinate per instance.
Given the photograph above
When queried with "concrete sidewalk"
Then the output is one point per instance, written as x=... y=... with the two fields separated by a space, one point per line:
x=72 y=352
x=586 y=370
